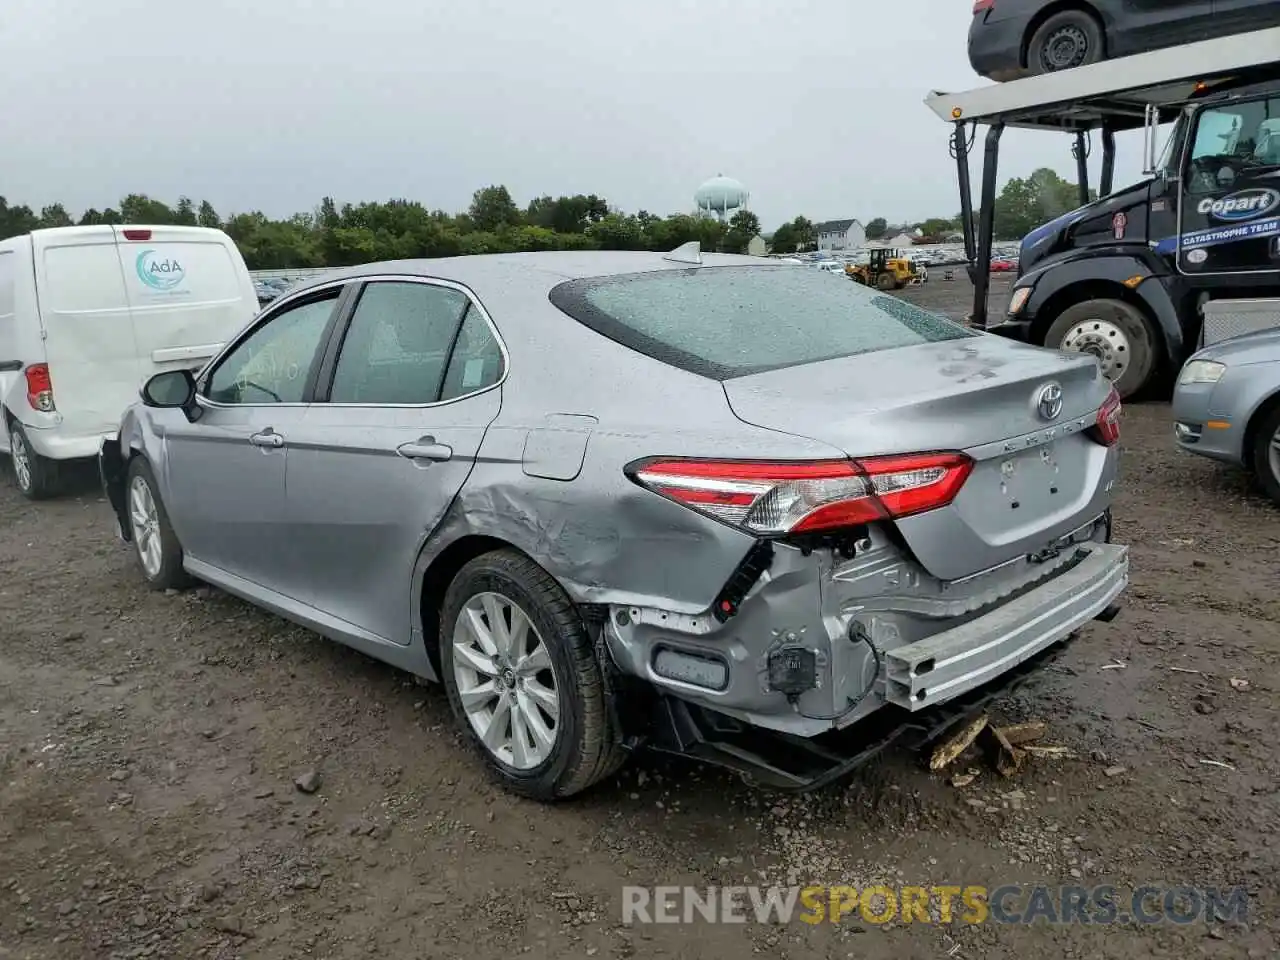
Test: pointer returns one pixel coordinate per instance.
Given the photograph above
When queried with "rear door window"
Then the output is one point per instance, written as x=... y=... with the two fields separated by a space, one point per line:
x=397 y=347
x=725 y=322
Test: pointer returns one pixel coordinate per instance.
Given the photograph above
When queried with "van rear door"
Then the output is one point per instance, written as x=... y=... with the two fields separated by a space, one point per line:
x=88 y=335
x=189 y=291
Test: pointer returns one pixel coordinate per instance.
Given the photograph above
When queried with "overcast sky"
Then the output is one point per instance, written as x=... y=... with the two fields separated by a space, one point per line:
x=814 y=104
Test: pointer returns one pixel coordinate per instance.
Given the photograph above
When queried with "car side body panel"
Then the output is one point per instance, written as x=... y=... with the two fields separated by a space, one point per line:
x=1251 y=381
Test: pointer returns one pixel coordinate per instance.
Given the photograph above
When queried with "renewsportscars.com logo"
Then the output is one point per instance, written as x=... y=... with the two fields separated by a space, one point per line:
x=1242 y=205
x=159 y=272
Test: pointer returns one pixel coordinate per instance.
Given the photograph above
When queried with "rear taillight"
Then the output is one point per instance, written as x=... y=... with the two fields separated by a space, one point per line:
x=980 y=5
x=1107 y=430
x=135 y=234
x=39 y=387
x=772 y=499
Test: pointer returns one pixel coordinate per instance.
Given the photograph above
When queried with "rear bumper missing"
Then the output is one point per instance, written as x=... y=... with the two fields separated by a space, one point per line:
x=940 y=667
x=787 y=762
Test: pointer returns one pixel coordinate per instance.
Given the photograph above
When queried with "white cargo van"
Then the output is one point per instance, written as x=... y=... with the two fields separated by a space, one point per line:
x=87 y=314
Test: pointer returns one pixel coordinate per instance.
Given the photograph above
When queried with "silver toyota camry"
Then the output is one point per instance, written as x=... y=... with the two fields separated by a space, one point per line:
x=710 y=504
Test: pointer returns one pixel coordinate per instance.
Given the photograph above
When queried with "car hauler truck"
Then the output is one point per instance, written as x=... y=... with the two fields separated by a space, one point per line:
x=1126 y=276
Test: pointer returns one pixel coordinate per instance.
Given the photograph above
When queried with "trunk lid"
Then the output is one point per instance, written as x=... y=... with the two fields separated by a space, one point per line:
x=1035 y=478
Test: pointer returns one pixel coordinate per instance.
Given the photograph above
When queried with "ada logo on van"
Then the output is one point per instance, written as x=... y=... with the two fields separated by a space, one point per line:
x=159 y=272
x=1244 y=205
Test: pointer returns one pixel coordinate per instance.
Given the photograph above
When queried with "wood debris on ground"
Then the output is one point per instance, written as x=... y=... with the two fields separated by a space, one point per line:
x=1005 y=747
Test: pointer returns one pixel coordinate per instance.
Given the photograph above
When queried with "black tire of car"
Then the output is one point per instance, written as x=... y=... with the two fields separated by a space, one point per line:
x=587 y=747
x=1086 y=28
x=44 y=478
x=171 y=575
x=1141 y=365
x=1267 y=472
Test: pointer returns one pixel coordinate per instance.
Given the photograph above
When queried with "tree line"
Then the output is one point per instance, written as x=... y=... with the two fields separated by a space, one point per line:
x=335 y=235
x=1022 y=205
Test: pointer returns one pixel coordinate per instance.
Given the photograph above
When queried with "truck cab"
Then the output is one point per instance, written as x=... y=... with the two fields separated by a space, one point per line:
x=1125 y=277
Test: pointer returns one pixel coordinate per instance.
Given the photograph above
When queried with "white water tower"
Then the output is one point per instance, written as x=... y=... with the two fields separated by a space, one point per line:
x=721 y=196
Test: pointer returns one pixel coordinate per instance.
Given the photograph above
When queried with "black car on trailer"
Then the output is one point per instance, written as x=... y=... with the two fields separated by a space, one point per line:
x=1017 y=38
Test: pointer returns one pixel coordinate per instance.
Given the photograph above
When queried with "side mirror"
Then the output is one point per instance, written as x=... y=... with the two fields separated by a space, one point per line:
x=172 y=389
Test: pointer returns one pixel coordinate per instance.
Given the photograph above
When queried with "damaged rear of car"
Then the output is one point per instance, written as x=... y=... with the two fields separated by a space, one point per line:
x=952 y=523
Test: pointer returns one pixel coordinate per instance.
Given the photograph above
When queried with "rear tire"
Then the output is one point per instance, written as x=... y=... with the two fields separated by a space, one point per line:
x=154 y=542
x=37 y=477
x=1066 y=40
x=886 y=282
x=535 y=710
x=1117 y=333
x=1266 y=453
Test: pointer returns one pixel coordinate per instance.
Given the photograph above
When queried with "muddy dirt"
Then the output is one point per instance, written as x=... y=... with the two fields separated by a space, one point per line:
x=149 y=746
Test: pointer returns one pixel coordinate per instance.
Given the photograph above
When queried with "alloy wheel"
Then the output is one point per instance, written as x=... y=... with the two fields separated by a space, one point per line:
x=1273 y=455
x=21 y=458
x=145 y=520
x=506 y=681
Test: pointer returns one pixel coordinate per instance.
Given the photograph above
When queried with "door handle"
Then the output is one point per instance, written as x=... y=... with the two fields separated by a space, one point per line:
x=426 y=448
x=267 y=438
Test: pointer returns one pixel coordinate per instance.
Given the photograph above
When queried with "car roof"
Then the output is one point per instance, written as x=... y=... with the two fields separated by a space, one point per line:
x=530 y=271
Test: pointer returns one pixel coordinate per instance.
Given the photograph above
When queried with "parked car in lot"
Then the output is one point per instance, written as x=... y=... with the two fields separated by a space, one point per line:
x=1226 y=405
x=608 y=498
x=87 y=314
x=1015 y=38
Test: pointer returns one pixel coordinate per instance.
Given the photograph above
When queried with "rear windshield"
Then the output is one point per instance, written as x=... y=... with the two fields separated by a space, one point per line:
x=726 y=322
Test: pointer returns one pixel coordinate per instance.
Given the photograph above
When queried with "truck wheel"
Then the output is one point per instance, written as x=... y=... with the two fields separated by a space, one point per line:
x=1068 y=39
x=523 y=679
x=886 y=282
x=37 y=477
x=1118 y=334
x=1266 y=453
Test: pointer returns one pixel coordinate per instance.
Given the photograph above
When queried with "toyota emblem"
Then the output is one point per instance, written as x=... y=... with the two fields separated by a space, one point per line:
x=1049 y=401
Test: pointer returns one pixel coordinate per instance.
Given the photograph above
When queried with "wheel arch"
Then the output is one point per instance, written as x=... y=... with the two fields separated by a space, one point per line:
x=1263 y=410
x=1096 y=288
x=436 y=577
x=1080 y=6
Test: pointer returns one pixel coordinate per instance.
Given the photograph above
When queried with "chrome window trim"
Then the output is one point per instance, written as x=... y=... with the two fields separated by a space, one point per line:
x=375 y=278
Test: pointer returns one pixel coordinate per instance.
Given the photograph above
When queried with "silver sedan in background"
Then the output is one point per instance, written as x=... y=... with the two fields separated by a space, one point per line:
x=1226 y=405
x=709 y=503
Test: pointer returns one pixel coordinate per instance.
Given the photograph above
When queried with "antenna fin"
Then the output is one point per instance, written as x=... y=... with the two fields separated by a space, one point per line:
x=690 y=252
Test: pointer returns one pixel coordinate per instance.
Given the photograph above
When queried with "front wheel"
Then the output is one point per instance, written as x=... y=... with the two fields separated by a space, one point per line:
x=1069 y=39
x=523 y=679
x=1266 y=454
x=157 y=547
x=1118 y=334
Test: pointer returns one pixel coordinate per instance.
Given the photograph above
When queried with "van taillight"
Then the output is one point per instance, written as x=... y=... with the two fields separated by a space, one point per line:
x=39 y=387
x=981 y=5
x=137 y=234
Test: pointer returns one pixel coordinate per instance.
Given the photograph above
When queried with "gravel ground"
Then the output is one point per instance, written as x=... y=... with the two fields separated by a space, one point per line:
x=149 y=746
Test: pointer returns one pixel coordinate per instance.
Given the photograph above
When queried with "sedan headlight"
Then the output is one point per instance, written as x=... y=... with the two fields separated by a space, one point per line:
x=1019 y=299
x=1202 y=371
